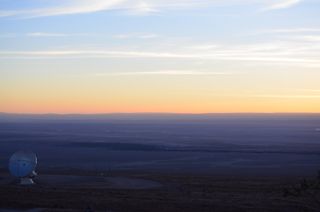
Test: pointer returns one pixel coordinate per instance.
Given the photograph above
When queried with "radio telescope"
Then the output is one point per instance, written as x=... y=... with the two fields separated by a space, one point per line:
x=22 y=165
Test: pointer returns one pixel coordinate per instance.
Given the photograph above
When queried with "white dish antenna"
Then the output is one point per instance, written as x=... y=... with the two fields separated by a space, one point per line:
x=22 y=165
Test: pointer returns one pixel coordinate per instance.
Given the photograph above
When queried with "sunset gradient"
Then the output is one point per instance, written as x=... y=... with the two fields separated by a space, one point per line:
x=157 y=56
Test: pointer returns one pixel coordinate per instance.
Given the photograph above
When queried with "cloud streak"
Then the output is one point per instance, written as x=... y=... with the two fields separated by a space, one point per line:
x=311 y=90
x=283 y=4
x=300 y=51
x=244 y=53
x=71 y=7
x=287 y=31
x=46 y=34
x=136 y=35
x=166 y=73
x=272 y=96
x=136 y=7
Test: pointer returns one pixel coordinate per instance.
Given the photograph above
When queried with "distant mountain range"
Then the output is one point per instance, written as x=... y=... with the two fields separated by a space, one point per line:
x=149 y=116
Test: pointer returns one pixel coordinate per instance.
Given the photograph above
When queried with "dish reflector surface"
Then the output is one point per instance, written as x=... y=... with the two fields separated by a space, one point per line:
x=22 y=163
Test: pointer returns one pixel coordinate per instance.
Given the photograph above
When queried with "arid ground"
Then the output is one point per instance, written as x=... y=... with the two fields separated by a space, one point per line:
x=129 y=191
x=208 y=163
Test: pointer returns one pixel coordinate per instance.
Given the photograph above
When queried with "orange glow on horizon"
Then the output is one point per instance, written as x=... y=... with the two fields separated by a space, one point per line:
x=230 y=106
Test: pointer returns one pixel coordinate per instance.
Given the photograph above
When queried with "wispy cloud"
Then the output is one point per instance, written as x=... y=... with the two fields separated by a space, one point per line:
x=69 y=7
x=142 y=8
x=167 y=72
x=287 y=31
x=309 y=38
x=57 y=34
x=45 y=34
x=138 y=7
x=302 y=52
x=273 y=96
x=204 y=46
x=310 y=90
x=136 y=35
x=282 y=4
x=242 y=53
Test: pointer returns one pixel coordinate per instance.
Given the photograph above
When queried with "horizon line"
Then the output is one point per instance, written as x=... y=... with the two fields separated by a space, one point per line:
x=155 y=113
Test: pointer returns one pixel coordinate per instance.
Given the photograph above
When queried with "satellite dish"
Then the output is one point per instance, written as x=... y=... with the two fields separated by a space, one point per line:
x=22 y=165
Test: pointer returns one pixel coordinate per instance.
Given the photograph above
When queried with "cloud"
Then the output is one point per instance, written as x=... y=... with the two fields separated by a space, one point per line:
x=69 y=7
x=294 y=52
x=311 y=90
x=54 y=34
x=204 y=47
x=287 y=31
x=46 y=34
x=269 y=96
x=136 y=35
x=281 y=54
x=166 y=72
x=142 y=8
x=137 y=7
x=285 y=96
x=309 y=38
x=283 y=4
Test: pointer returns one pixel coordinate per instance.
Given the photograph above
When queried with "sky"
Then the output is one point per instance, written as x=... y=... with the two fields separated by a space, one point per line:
x=182 y=56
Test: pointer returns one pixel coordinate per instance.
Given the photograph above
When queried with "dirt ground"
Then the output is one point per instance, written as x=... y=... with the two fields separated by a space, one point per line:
x=137 y=191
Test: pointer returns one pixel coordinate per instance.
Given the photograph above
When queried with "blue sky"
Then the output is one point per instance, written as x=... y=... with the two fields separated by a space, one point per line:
x=42 y=26
x=256 y=49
